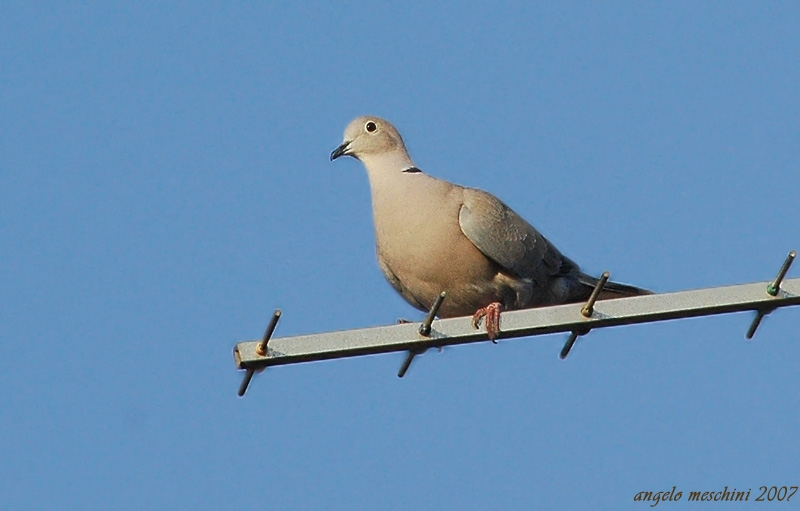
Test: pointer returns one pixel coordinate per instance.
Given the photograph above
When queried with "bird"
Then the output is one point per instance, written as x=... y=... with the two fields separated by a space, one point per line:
x=433 y=236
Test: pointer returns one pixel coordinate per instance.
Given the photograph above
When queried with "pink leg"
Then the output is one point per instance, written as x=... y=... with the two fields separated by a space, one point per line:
x=492 y=314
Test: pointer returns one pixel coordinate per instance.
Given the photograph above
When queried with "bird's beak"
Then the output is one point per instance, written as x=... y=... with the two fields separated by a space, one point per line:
x=340 y=151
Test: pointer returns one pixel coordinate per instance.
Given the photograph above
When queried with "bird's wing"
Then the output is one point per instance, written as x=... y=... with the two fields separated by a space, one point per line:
x=510 y=241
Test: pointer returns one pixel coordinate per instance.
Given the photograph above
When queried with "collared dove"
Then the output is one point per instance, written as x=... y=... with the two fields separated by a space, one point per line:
x=433 y=236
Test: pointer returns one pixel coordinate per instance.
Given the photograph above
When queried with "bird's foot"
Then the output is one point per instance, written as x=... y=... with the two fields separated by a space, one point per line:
x=492 y=314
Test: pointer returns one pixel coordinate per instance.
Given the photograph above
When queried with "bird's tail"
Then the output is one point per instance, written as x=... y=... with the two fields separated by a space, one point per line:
x=612 y=289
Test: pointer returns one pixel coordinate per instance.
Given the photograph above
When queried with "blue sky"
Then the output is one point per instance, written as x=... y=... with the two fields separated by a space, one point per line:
x=165 y=184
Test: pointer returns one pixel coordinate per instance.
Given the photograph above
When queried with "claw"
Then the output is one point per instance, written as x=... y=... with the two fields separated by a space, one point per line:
x=492 y=314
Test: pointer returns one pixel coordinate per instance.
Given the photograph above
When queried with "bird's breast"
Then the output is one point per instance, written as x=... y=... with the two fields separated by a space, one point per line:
x=419 y=239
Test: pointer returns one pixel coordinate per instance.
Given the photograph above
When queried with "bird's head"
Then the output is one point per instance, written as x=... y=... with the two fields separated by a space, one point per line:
x=368 y=136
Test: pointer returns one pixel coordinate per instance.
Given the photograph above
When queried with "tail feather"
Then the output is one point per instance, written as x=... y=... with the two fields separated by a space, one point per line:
x=612 y=289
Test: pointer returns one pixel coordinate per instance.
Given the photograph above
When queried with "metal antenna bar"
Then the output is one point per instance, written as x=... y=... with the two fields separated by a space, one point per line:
x=521 y=323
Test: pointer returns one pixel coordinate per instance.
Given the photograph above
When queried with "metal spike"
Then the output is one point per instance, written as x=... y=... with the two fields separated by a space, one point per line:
x=568 y=345
x=588 y=309
x=775 y=286
x=425 y=327
x=273 y=322
x=406 y=364
x=772 y=290
x=586 y=312
x=261 y=350
x=754 y=325
x=246 y=382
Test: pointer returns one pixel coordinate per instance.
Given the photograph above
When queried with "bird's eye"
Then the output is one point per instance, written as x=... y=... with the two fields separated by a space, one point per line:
x=370 y=126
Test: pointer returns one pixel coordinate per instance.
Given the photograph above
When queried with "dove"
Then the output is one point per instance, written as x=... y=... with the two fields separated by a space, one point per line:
x=432 y=236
